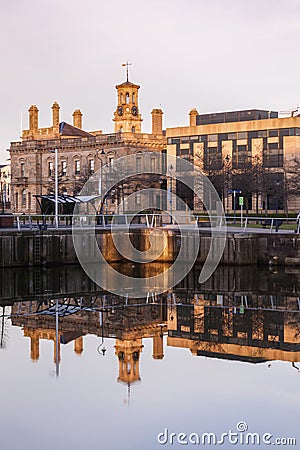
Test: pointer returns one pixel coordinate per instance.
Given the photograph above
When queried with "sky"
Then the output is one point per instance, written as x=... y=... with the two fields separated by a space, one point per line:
x=215 y=55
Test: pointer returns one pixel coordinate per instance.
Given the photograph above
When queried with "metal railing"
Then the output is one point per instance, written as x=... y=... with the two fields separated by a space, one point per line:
x=253 y=224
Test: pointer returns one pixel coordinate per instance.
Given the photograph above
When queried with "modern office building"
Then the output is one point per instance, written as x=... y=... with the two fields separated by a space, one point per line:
x=252 y=153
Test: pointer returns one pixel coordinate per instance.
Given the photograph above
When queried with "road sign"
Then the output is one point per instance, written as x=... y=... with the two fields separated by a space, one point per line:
x=241 y=201
x=234 y=191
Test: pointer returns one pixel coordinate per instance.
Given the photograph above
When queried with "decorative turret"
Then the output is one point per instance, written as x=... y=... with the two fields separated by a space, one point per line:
x=127 y=117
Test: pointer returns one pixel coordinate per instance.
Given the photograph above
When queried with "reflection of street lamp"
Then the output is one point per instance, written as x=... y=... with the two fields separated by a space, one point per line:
x=57 y=338
x=170 y=170
x=101 y=347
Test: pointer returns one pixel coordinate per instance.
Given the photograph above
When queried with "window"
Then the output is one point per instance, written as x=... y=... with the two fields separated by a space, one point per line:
x=152 y=165
x=262 y=133
x=121 y=98
x=133 y=98
x=50 y=169
x=242 y=135
x=273 y=133
x=91 y=166
x=231 y=136
x=138 y=198
x=64 y=167
x=77 y=167
x=127 y=97
x=133 y=129
x=185 y=139
x=111 y=163
x=138 y=164
x=24 y=198
x=22 y=167
x=17 y=201
x=29 y=201
x=212 y=138
x=273 y=146
x=184 y=151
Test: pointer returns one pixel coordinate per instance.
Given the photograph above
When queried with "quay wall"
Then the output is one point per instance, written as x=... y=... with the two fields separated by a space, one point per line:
x=55 y=247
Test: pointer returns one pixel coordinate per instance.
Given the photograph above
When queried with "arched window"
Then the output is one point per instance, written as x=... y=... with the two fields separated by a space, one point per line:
x=133 y=98
x=24 y=198
x=127 y=97
x=22 y=169
x=121 y=129
x=121 y=98
x=29 y=201
x=133 y=129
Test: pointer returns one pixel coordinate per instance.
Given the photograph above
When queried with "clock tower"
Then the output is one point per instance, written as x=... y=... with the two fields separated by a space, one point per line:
x=127 y=117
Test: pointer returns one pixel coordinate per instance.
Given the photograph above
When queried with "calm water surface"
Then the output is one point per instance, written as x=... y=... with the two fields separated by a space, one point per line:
x=195 y=360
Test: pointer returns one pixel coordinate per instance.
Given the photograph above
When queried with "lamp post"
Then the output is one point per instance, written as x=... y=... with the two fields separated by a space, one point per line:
x=102 y=153
x=55 y=151
x=225 y=180
x=170 y=170
x=277 y=182
x=56 y=188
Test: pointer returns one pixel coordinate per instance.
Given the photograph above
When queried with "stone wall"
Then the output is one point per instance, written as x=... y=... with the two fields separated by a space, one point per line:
x=34 y=248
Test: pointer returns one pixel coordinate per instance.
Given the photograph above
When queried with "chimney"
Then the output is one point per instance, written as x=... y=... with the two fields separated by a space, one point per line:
x=193 y=114
x=157 y=121
x=77 y=118
x=55 y=115
x=33 y=118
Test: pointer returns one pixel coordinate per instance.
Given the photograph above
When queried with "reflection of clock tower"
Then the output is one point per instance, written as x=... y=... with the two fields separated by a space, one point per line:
x=127 y=117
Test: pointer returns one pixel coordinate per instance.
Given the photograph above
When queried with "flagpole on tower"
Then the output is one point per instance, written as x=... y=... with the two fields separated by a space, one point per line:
x=127 y=64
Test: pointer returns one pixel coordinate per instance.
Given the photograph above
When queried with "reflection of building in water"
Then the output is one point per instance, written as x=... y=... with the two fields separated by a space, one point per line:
x=128 y=324
x=234 y=332
x=36 y=335
x=234 y=325
x=129 y=348
x=128 y=352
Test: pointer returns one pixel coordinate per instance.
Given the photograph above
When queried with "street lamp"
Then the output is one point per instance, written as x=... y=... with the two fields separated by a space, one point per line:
x=277 y=182
x=55 y=151
x=102 y=153
x=170 y=170
x=225 y=180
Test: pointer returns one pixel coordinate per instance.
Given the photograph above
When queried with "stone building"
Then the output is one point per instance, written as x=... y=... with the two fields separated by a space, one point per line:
x=252 y=153
x=80 y=152
x=5 y=187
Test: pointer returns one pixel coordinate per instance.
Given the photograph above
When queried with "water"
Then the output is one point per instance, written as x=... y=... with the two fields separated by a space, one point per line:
x=195 y=360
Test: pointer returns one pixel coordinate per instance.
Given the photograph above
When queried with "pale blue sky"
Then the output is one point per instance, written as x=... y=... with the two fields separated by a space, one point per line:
x=214 y=55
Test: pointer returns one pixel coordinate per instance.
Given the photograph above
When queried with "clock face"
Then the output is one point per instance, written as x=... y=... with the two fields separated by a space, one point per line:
x=120 y=111
x=134 y=111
